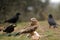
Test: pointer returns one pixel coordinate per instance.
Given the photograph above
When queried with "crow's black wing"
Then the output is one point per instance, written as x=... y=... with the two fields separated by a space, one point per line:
x=9 y=29
x=51 y=21
x=12 y=20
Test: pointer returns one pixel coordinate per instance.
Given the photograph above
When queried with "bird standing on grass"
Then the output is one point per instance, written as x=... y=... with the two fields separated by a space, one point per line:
x=31 y=29
x=9 y=29
x=51 y=21
x=14 y=19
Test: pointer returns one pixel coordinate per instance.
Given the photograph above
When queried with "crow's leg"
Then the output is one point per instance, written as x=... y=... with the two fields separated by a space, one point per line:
x=54 y=26
x=49 y=26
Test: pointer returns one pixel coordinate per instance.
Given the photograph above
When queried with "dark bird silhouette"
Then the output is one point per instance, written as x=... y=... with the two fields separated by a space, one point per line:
x=9 y=29
x=14 y=19
x=51 y=21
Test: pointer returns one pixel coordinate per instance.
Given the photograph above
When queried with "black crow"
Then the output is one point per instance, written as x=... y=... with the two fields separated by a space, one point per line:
x=9 y=29
x=13 y=19
x=51 y=21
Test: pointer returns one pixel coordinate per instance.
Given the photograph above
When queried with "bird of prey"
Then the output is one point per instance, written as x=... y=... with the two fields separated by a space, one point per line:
x=27 y=30
x=33 y=26
x=14 y=19
x=51 y=21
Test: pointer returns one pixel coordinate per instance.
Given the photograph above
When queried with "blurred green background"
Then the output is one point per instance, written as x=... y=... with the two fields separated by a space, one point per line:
x=29 y=8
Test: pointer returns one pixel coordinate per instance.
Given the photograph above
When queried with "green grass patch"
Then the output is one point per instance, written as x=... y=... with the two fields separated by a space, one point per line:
x=53 y=34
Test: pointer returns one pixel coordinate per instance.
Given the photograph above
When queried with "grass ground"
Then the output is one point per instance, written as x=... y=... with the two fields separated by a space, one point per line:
x=52 y=34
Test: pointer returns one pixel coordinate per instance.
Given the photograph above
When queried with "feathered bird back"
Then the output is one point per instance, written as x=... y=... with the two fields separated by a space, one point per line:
x=9 y=29
x=14 y=19
x=33 y=26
